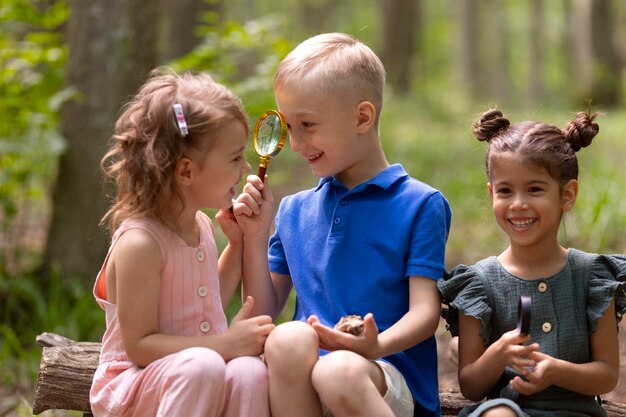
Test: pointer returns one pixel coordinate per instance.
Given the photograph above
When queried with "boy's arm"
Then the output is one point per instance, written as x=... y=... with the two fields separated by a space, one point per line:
x=270 y=291
x=418 y=324
x=254 y=210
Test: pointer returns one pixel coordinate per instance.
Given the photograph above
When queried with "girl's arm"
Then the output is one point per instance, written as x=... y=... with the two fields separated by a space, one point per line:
x=598 y=376
x=137 y=295
x=417 y=325
x=230 y=262
x=480 y=367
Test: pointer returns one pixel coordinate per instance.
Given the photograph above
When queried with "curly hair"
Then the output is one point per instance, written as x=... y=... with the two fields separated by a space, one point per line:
x=147 y=142
x=541 y=144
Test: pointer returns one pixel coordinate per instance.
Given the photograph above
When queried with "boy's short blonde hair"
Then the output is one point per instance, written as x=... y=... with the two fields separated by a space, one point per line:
x=340 y=64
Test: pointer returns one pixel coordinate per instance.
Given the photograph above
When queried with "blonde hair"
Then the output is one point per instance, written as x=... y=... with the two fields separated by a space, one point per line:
x=148 y=141
x=341 y=64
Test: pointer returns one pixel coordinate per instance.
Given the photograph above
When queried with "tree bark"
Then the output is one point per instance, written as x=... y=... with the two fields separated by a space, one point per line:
x=537 y=56
x=67 y=368
x=112 y=46
x=181 y=20
x=470 y=62
x=401 y=25
x=606 y=84
x=316 y=16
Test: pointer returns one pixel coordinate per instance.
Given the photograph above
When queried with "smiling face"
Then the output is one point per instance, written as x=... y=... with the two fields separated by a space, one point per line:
x=332 y=132
x=527 y=202
x=217 y=173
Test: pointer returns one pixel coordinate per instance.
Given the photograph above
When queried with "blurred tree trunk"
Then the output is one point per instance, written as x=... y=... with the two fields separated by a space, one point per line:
x=581 y=50
x=181 y=19
x=566 y=46
x=112 y=46
x=537 y=45
x=401 y=25
x=606 y=84
x=497 y=51
x=316 y=16
x=471 y=68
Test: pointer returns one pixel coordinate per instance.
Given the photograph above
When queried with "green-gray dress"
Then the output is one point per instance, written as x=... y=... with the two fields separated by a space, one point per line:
x=565 y=308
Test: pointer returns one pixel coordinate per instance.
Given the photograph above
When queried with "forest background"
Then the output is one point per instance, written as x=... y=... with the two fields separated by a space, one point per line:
x=67 y=66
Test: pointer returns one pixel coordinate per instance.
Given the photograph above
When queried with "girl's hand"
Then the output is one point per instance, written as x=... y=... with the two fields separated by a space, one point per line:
x=248 y=334
x=511 y=352
x=365 y=344
x=254 y=208
x=228 y=223
x=538 y=378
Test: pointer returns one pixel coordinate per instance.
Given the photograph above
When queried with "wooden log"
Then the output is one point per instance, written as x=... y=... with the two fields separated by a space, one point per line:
x=67 y=367
x=65 y=373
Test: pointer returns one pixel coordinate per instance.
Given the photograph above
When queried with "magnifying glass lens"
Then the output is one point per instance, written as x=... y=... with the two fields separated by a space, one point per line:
x=270 y=131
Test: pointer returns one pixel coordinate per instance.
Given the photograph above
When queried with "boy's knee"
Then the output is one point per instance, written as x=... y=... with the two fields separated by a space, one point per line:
x=291 y=339
x=338 y=370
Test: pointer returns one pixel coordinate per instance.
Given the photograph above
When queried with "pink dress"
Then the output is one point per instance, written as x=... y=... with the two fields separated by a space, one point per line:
x=194 y=381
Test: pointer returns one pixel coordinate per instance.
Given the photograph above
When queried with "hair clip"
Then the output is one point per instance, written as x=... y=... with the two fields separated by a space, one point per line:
x=180 y=119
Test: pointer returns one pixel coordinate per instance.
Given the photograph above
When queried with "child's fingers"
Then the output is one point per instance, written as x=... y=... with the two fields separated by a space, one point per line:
x=245 y=311
x=266 y=192
x=246 y=205
x=312 y=319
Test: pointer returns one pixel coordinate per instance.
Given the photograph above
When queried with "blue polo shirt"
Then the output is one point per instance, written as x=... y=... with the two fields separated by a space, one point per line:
x=352 y=251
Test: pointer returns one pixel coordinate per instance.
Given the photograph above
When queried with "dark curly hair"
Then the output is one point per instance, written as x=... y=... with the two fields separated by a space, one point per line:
x=541 y=144
x=147 y=141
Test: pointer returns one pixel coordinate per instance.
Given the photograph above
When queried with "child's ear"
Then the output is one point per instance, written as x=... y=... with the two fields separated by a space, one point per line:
x=490 y=189
x=569 y=194
x=366 y=115
x=182 y=172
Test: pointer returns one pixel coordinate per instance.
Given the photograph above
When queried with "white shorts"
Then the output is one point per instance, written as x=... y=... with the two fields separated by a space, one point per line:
x=398 y=395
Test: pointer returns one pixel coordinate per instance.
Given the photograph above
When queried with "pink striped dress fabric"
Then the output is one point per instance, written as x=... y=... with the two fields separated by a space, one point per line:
x=195 y=381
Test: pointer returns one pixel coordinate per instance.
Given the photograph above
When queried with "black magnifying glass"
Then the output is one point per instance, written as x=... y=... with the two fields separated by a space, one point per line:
x=269 y=137
x=523 y=314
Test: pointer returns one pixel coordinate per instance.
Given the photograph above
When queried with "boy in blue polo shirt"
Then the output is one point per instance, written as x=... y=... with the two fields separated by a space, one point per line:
x=368 y=240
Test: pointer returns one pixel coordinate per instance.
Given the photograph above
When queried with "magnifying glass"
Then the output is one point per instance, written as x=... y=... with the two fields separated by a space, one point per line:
x=523 y=314
x=269 y=137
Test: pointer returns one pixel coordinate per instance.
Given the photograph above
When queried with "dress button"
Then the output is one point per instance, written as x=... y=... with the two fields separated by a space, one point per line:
x=337 y=220
x=205 y=327
x=542 y=287
x=200 y=256
x=546 y=327
x=203 y=291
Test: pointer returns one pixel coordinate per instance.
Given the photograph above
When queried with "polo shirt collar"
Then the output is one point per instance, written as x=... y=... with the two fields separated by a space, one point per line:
x=384 y=179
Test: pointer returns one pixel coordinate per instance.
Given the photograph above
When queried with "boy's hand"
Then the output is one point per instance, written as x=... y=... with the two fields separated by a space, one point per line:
x=365 y=344
x=254 y=208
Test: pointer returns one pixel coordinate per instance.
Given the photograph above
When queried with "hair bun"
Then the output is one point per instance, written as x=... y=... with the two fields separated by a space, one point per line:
x=491 y=124
x=580 y=132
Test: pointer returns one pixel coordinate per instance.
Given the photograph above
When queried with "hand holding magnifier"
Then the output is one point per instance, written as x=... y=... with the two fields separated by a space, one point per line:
x=269 y=136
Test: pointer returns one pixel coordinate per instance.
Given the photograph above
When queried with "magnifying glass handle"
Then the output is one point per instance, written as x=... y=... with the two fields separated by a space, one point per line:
x=261 y=172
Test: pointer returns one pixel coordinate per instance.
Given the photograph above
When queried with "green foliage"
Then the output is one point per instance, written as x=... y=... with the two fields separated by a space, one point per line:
x=30 y=308
x=32 y=60
x=243 y=56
